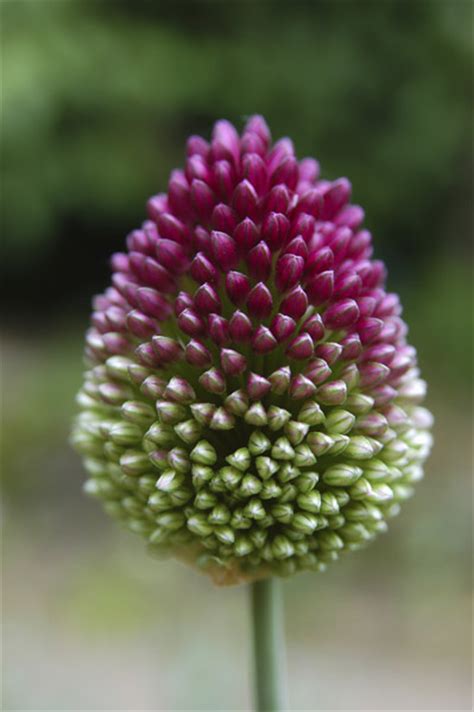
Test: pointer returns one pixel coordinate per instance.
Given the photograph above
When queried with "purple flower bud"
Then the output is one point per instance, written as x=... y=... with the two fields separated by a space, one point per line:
x=238 y=287
x=289 y=269
x=197 y=354
x=219 y=329
x=307 y=293
x=255 y=171
x=206 y=299
x=295 y=303
x=224 y=250
x=275 y=229
x=202 y=269
x=319 y=289
x=224 y=218
x=202 y=198
x=224 y=179
x=259 y=261
x=301 y=347
x=246 y=235
x=341 y=314
x=240 y=327
x=232 y=362
x=283 y=327
x=191 y=323
x=259 y=301
x=263 y=340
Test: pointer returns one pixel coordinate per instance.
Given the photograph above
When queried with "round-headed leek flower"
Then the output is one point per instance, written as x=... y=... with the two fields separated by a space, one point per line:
x=251 y=404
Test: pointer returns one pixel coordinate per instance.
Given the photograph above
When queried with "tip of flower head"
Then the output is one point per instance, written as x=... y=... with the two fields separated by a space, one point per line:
x=251 y=405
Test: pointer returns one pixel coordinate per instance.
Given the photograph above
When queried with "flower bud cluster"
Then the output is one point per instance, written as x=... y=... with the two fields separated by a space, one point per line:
x=251 y=404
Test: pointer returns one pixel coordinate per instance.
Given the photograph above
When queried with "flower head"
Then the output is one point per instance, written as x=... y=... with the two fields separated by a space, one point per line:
x=251 y=404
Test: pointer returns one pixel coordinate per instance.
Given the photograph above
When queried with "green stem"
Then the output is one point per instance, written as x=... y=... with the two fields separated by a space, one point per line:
x=269 y=646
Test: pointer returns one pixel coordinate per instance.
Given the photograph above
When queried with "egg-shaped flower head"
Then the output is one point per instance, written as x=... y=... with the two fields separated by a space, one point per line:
x=251 y=405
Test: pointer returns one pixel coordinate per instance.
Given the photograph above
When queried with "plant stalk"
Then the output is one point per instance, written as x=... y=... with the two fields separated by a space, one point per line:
x=268 y=646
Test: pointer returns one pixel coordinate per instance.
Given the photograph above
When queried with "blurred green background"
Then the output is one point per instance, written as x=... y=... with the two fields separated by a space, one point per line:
x=98 y=98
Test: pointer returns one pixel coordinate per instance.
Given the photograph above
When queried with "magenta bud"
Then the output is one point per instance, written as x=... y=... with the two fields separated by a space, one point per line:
x=158 y=276
x=251 y=143
x=157 y=204
x=383 y=394
x=224 y=179
x=282 y=327
x=179 y=197
x=336 y=197
x=255 y=171
x=317 y=371
x=116 y=317
x=259 y=301
x=139 y=241
x=319 y=289
x=197 y=167
x=225 y=141
x=347 y=285
x=191 y=323
x=360 y=246
x=341 y=314
x=257 y=124
x=340 y=241
x=167 y=349
x=369 y=329
x=206 y=299
x=366 y=305
x=373 y=373
x=115 y=343
x=183 y=301
x=238 y=287
x=382 y=353
x=246 y=235
x=275 y=229
x=197 y=145
x=224 y=218
x=147 y=355
x=280 y=151
x=401 y=363
x=295 y=303
x=278 y=200
x=202 y=240
x=259 y=261
x=232 y=362
x=170 y=228
x=240 y=327
x=179 y=390
x=301 y=347
x=388 y=305
x=218 y=329
x=297 y=246
x=314 y=326
x=119 y=262
x=99 y=320
x=351 y=216
x=153 y=303
x=213 y=381
x=263 y=340
x=137 y=266
x=311 y=203
x=289 y=269
x=330 y=351
x=309 y=170
x=171 y=255
x=303 y=225
x=320 y=260
x=202 y=269
x=141 y=325
x=351 y=347
x=224 y=250
x=197 y=354
x=301 y=387
x=245 y=200
x=286 y=171
x=257 y=386
x=203 y=199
